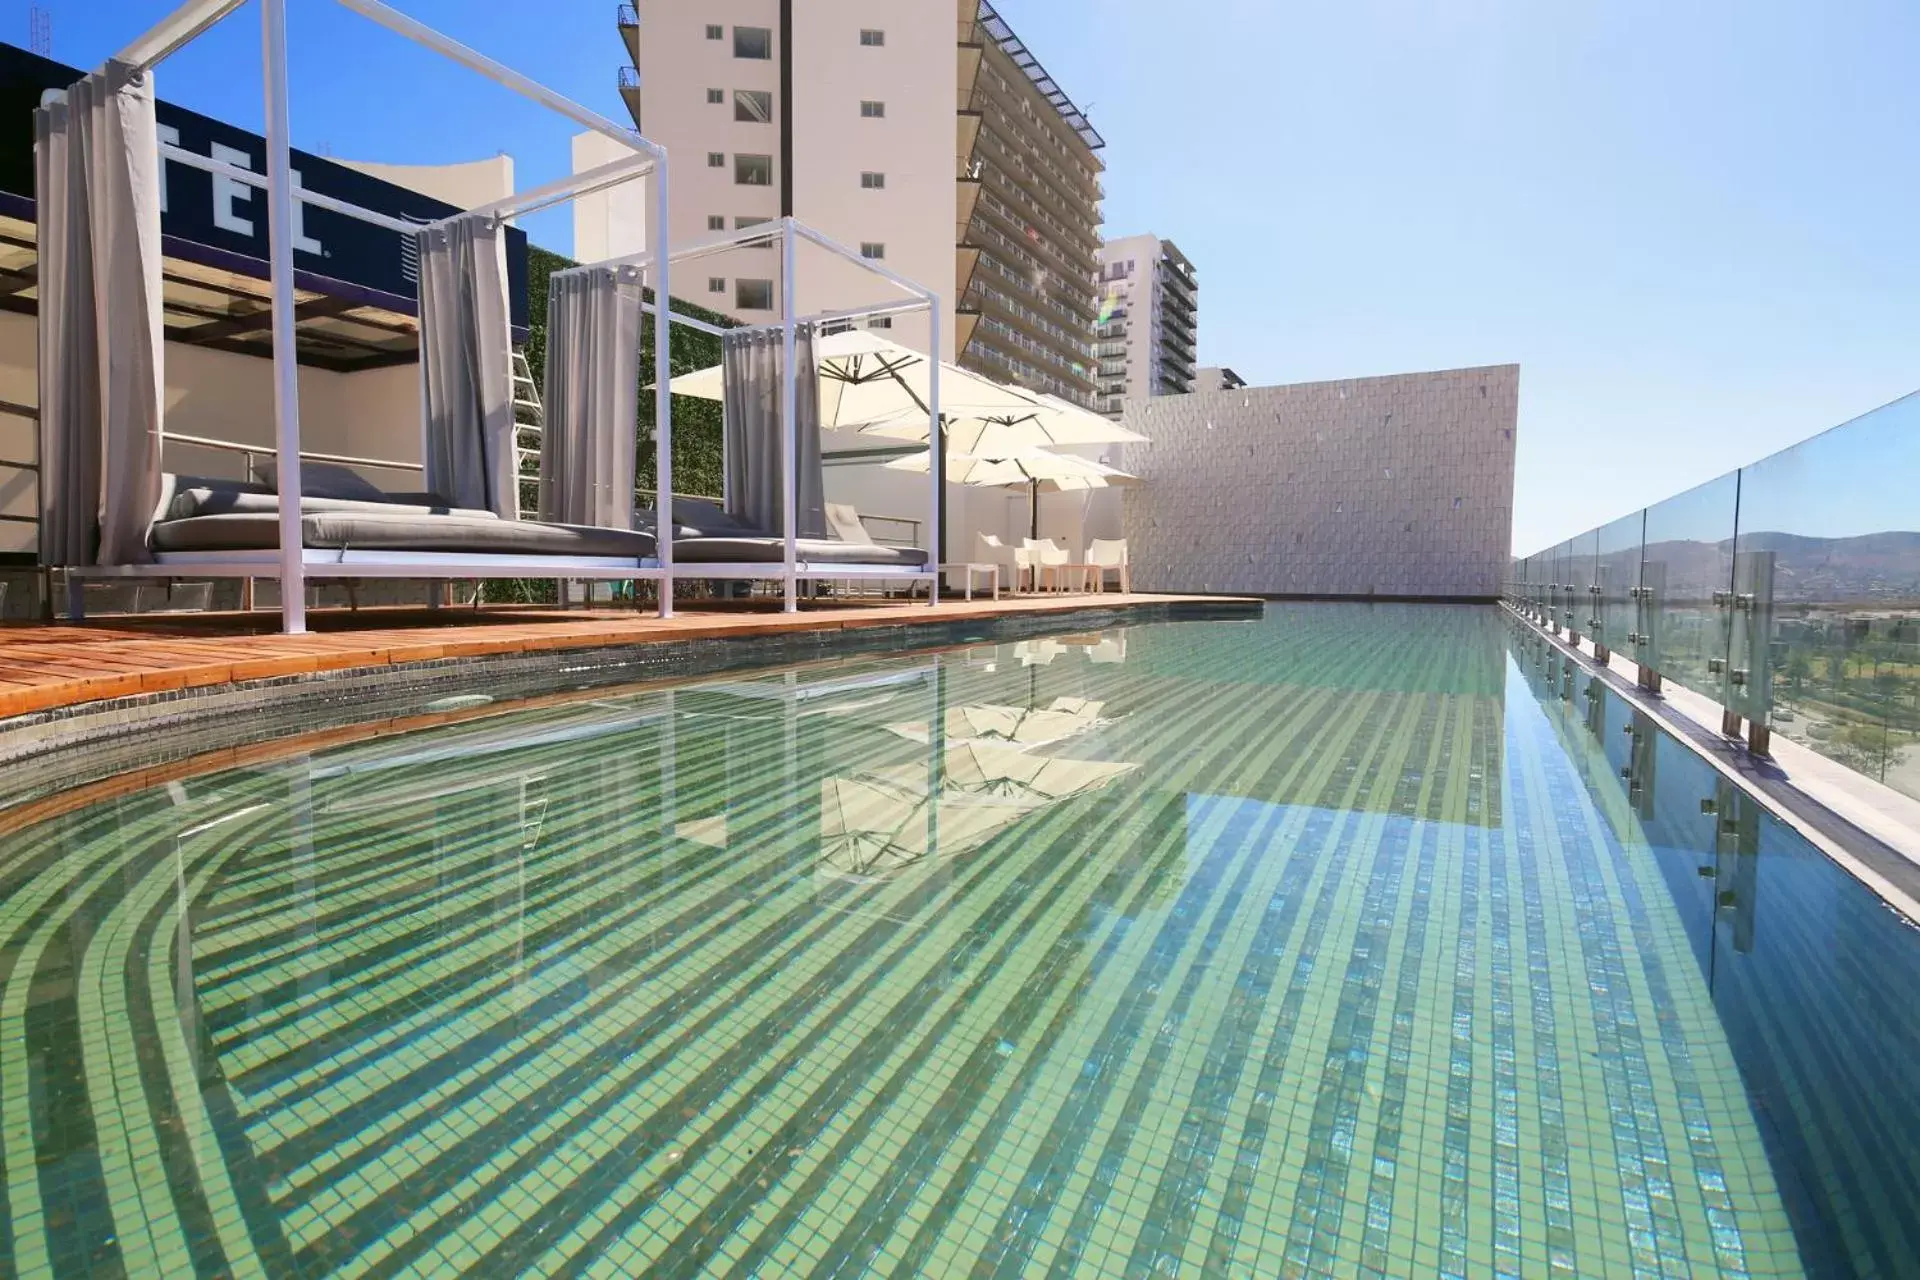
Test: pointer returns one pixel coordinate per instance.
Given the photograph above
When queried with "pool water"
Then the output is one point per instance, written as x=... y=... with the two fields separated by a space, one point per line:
x=1355 y=941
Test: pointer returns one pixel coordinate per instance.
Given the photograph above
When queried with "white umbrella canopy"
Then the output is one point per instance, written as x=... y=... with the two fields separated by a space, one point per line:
x=866 y=379
x=1024 y=468
x=1047 y=423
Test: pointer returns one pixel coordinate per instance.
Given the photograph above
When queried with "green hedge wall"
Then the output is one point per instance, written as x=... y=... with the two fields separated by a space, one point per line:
x=696 y=423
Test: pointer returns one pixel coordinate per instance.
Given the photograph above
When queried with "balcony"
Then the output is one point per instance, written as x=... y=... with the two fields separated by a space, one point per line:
x=1073 y=314
x=1075 y=256
x=627 y=17
x=1046 y=251
x=989 y=101
x=1043 y=183
x=629 y=81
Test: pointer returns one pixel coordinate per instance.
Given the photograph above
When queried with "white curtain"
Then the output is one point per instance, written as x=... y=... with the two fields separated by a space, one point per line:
x=97 y=176
x=751 y=361
x=466 y=359
x=592 y=399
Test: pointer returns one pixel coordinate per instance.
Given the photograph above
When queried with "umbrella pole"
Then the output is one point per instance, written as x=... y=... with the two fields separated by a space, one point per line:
x=1033 y=509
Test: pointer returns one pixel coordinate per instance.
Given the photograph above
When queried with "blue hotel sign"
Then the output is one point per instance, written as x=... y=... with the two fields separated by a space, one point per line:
x=222 y=222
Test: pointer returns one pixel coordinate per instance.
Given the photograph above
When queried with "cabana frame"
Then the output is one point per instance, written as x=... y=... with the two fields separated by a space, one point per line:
x=293 y=563
x=791 y=233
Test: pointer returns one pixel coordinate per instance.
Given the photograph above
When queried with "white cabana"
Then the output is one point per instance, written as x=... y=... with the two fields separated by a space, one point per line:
x=464 y=350
x=464 y=345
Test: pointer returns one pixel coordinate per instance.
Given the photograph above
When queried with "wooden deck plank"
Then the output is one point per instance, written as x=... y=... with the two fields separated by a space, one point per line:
x=44 y=666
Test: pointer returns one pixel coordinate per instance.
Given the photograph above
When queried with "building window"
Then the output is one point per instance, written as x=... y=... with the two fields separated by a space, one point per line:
x=716 y=32
x=741 y=224
x=716 y=222
x=716 y=159
x=753 y=42
x=753 y=171
x=753 y=295
x=716 y=97
x=873 y=181
x=880 y=322
x=873 y=110
x=872 y=249
x=755 y=106
x=872 y=38
x=716 y=284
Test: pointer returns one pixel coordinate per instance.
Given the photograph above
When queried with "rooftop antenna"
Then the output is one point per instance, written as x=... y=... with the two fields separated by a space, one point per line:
x=40 y=31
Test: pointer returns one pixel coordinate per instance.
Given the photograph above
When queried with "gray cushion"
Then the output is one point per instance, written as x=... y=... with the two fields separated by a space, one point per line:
x=399 y=531
x=324 y=480
x=209 y=500
x=744 y=550
x=697 y=517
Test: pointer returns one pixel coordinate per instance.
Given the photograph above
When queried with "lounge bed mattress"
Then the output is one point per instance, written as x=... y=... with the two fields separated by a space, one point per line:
x=379 y=531
x=743 y=549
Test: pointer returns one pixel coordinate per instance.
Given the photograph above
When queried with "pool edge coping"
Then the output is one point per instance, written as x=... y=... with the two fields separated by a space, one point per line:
x=1722 y=753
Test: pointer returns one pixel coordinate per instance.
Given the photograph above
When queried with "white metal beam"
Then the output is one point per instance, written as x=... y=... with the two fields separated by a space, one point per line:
x=208 y=164
x=561 y=190
x=789 y=407
x=286 y=368
x=834 y=246
x=174 y=30
x=663 y=526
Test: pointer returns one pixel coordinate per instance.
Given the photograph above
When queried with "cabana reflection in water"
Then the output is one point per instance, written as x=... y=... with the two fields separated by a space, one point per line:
x=1330 y=937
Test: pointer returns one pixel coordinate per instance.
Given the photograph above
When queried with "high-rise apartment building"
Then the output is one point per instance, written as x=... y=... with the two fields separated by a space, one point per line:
x=1029 y=215
x=957 y=162
x=1149 y=308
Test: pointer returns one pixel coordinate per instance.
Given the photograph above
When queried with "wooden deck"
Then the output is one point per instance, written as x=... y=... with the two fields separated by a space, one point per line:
x=44 y=666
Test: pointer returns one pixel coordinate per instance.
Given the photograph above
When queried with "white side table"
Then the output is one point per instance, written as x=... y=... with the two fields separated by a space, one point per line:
x=973 y=569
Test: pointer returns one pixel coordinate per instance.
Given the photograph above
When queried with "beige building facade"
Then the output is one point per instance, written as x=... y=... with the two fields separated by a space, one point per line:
x=927 y=138
x=1148 y=323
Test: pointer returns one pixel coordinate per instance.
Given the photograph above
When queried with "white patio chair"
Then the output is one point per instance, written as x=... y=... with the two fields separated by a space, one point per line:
x=1048 y=559
x=1110 y=554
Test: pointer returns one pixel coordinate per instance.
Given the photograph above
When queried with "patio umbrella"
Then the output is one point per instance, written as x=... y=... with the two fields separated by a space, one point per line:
x=1035 y=470
x=866 y=379
x=1046 y=423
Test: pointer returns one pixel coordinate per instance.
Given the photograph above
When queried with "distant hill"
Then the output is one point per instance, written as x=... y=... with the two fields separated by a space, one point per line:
x=1863 y=569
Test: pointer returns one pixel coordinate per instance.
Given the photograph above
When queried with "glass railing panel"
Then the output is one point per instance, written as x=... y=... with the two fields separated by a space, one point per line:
x=1585 y=597
x=1687 y=565
x=1833 y=526
x=1617 y=574
x=1563 y=590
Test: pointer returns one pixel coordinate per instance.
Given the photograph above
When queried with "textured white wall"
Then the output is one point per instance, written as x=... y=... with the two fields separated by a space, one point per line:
x=1399 y=486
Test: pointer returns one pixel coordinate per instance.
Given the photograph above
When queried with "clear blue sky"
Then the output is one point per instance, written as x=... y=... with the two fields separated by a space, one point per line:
x=1693 y=225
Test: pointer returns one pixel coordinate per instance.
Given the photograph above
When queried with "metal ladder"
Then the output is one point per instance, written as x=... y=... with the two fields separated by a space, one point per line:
x=529 y=423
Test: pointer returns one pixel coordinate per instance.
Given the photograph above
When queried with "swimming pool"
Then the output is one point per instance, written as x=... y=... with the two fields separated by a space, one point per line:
x=1335 y=943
